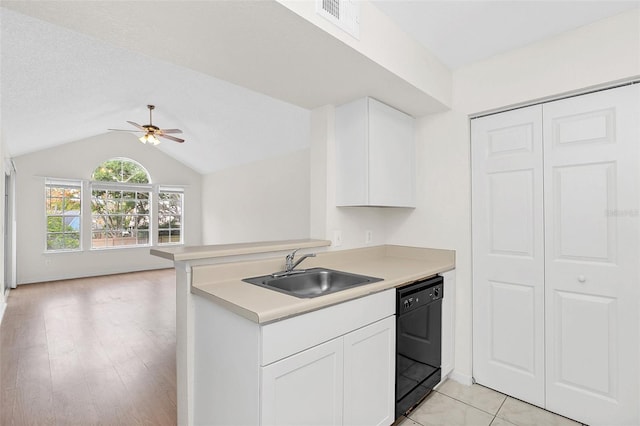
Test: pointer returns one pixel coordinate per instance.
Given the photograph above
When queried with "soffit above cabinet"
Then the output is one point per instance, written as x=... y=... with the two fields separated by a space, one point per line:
x=260 y=45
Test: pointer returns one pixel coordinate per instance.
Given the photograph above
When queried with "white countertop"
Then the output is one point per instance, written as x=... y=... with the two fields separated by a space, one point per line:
x=396 y=265
x=187 y=253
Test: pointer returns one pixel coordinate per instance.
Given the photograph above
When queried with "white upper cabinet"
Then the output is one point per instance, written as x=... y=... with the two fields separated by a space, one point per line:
x=375 y=155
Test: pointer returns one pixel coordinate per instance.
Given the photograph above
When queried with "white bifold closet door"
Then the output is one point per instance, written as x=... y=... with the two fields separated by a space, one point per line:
x=556 y=246
x=592 y=235
x=508 y=253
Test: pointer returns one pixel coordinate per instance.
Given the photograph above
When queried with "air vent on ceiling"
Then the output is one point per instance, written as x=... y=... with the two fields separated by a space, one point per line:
x=343 y=13
x=332 y=7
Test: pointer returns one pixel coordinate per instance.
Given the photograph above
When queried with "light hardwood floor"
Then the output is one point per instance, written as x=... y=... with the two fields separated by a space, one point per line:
x=92 y=351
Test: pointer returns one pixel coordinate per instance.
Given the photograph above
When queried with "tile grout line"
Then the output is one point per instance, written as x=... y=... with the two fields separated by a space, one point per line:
x=495 y=416
x=501 y=405
x=473 y=406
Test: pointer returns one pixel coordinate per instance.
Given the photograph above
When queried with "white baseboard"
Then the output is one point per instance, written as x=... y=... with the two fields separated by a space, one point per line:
x=464 y=379
x=3 y=307
x=98 y=272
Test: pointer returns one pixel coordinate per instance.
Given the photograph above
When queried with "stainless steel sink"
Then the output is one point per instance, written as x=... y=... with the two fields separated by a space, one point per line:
x=312 y=282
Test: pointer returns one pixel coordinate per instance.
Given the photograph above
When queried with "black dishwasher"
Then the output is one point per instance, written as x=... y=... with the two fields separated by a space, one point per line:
x=418 y=341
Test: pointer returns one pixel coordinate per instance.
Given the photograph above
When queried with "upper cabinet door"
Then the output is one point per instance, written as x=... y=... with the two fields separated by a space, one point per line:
x=508 y=253
x=592 y=197
x=375 y=155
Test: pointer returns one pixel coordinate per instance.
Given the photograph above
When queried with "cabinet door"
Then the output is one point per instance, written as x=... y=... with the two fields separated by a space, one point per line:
x=508 y=253
x=375 y=155
x=304 y=389
x=391 y=157
x=592 y=198
x=448 y=322
x=352 y=153
x=369 y=374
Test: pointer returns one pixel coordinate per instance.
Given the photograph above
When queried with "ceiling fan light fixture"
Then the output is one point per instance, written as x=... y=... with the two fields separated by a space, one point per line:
x=152 y=133
x=149 y=138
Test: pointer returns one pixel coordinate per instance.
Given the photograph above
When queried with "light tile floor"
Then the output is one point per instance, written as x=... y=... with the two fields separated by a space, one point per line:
x=454 y=404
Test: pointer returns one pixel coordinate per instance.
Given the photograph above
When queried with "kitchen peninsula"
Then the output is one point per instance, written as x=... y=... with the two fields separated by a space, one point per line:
x=235 y=339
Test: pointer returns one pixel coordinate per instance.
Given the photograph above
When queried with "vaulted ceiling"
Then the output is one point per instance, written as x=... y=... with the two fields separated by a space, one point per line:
x=71 y=70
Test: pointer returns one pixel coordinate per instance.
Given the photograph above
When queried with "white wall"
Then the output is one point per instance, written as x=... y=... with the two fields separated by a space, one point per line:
x=3 y=233
x=78 y=160
x=442 y=217
x=261 y=201
x=604 y=51
x=590 y=56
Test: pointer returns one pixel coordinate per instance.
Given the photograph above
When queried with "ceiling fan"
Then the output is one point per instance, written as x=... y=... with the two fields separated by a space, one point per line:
x=151 y=132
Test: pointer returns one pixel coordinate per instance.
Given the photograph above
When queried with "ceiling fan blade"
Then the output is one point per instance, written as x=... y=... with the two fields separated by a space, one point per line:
x=123 y=130
x=172 y=138
x=137 y=125
x=171 y=130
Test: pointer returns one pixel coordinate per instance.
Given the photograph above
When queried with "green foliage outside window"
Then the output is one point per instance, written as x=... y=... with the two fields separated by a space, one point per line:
x=120 y=216
x=170 y=218
x=120 y=170
x=63 y=208
x=121 y=197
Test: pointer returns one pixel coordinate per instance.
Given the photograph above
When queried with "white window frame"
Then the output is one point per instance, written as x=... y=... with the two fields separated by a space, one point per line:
x=63 y=183
x=169 y=190
x=86 y=225
x=125 y=187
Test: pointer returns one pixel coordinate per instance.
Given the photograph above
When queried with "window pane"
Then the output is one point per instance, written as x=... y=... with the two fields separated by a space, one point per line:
x=72 y=240
x=54 y=224
x=169 y=218
x=71 y=204
x=63 y=241
x=54 y=205
x=143 y=237
x=63 y=210
x=119 y=216
x=143 y=205
x=121 y=170
x=53 y=242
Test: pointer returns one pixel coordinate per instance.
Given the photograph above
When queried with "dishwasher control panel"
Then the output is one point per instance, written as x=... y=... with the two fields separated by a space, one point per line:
x=418 y=294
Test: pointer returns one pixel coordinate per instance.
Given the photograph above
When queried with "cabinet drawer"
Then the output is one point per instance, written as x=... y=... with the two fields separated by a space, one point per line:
x=293 y=335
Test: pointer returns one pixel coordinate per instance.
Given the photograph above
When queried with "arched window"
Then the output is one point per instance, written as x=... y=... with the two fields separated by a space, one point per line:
x=123 y=170
x=120 y=204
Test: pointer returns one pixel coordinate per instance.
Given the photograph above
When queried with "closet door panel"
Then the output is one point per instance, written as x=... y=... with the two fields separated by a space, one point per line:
x=591 y=146
x=583 y=194
x=508 y=297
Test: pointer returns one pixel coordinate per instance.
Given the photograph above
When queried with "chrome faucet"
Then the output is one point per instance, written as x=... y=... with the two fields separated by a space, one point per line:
x=290 y=265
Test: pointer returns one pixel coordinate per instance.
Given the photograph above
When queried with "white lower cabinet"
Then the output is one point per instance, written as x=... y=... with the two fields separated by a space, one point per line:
x=332 y=366
x=305 y=388
x=346 y=381
x=369 y=374
x=448 y=323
